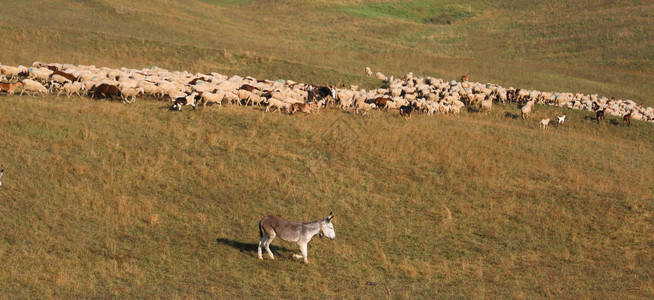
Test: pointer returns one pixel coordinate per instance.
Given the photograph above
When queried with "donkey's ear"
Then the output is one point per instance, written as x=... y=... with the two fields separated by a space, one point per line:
x=331 y=216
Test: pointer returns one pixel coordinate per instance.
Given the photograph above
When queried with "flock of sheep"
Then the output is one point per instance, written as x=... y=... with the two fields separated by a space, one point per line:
x=406 y=95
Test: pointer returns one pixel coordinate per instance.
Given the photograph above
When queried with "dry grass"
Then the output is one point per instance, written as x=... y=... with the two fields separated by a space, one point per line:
x=103 y=200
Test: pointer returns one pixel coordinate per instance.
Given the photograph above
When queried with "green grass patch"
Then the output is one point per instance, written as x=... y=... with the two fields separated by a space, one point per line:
x=227 y=2
x=425 y=12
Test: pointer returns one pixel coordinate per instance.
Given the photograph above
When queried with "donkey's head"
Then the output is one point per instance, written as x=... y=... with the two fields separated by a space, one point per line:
x=327 y=227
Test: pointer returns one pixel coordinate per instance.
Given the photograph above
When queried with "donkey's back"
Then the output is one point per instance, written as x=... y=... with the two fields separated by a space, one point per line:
x=275 y=226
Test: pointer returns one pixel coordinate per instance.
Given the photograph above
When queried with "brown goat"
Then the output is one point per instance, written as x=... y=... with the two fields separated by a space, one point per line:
x=65 y=75
x=600 y=114
x=10 y=88
x=627 y=119
x=465 y=77
x=106 y=91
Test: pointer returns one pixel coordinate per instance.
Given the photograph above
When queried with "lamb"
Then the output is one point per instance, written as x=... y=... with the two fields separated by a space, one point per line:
x=72 y=87
x=476 y=98
x=346 y=104
x=35 y=86
x=368 y=72
x=561 y=120
x=256 y=99
x=278 y=104
x=362 y=105
x=544 y=123
x=131 y=92
x=381 y=76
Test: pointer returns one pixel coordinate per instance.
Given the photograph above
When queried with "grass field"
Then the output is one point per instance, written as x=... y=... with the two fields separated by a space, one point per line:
x=103 y=200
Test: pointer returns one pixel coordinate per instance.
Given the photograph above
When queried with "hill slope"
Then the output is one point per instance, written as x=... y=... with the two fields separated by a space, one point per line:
x=102 y=199
x=105 y=200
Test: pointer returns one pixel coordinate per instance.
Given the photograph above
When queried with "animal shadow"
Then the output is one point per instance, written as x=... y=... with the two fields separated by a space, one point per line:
x=247 y=247
x=511 y=115
x=474 y=109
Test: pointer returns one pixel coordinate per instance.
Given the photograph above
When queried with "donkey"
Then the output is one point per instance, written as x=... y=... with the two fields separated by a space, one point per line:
x=293 y=231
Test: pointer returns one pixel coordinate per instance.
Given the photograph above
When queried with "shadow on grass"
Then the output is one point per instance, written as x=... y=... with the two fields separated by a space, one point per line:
x=247 y=247
x=511 y=115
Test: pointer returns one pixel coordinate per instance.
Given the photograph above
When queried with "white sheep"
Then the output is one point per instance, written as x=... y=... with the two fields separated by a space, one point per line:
x=278 y=104
x=59 y=79
x=216 y=98
x=381 y=76
x=256 y=99
x=131 y=93
x=12 y=72
x=365 y=107
x=486 y=105
x=526 y=110
x=40 y=74
x=72 y=88
x=34 y=86
x=544 y=123
x=368 y=72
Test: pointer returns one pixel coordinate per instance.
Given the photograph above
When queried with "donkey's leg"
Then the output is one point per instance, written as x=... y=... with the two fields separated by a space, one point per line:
x=303 y=249
x=264 y=238
x=267 y=244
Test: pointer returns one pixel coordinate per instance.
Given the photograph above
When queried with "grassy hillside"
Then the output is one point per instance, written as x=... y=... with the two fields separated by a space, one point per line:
x=105 y=200
x=102 y=199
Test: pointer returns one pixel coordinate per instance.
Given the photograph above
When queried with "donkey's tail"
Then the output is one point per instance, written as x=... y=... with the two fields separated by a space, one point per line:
x=260 y=231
